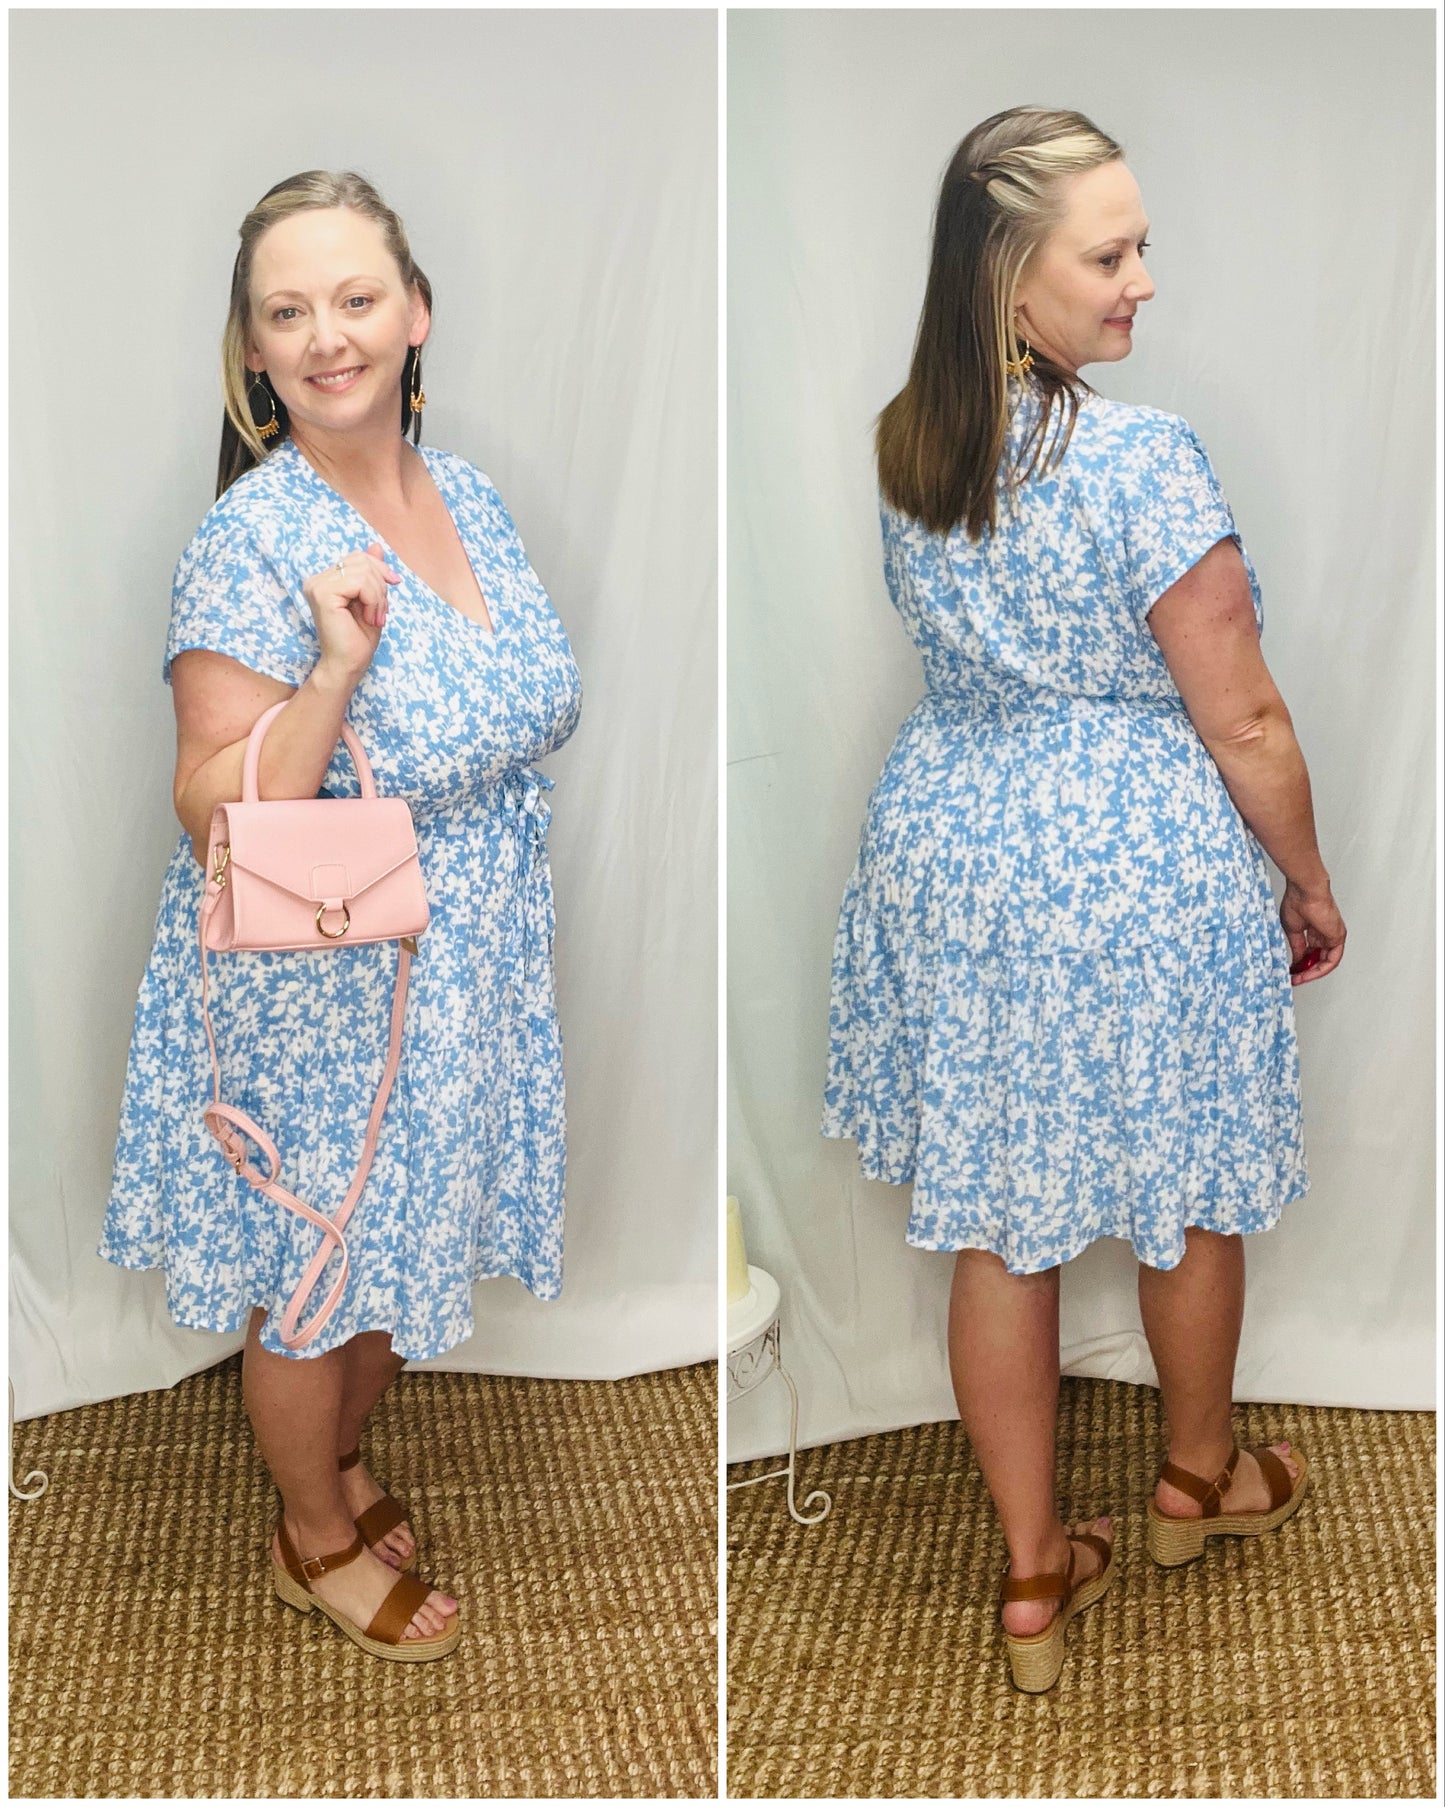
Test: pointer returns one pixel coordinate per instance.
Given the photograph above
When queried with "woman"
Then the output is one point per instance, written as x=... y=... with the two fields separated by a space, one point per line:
x=375 y=584
x=1061 y=1002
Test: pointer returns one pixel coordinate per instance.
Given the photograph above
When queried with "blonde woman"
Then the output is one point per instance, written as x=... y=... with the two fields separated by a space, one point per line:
x=359 y=579
x=1062 y=999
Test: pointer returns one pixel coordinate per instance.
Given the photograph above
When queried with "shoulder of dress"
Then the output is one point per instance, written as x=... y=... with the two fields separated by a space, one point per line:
x=246 y=514
x=1137 y=440
x=254 y=490
x=457 y=467
x=1143 y=421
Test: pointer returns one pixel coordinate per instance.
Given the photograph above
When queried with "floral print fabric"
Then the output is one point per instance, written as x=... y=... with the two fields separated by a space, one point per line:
x=468 y=1176
x=1060 y=1001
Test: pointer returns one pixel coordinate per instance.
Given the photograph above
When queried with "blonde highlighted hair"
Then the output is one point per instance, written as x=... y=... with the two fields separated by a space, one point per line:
x=940 y=441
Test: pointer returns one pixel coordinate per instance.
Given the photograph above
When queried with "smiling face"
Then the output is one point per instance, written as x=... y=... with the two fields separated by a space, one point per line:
x=326 y=296
x=1088 y=273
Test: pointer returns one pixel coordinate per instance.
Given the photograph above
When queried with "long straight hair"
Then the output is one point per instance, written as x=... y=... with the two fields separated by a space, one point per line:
x=940 y=441
x=242 y=447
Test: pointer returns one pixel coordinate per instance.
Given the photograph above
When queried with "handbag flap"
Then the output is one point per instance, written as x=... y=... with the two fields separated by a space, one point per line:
x=322 y=848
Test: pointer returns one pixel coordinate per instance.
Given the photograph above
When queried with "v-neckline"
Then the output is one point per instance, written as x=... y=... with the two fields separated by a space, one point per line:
x=484 y=633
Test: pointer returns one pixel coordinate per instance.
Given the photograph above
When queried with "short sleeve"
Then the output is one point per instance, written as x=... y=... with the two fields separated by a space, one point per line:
x=229 y=596
x=1173 y=511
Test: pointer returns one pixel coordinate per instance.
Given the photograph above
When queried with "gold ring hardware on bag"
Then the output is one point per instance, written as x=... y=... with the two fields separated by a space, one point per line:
x=330 y=934
x=223 y=859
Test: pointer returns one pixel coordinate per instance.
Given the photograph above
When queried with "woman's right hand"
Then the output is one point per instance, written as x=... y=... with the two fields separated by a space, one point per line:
x=1312 y=921
x=348 y=604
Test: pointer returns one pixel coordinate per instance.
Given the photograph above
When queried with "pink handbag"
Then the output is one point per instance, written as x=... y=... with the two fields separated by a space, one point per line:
x=306 y=873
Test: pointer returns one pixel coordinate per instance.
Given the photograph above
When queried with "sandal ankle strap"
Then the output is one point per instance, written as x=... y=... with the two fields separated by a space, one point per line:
x=350 y=1461
x=1208 y=1493
x=314 y=1567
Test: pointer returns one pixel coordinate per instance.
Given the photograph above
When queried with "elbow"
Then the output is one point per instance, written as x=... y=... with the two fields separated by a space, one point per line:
x=1262 y=727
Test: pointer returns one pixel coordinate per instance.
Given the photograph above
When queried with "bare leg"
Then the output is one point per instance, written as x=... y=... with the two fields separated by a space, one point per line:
x=370 y=1366
x=1192 y=1316
x=294 y=1405
x=1003 y=1355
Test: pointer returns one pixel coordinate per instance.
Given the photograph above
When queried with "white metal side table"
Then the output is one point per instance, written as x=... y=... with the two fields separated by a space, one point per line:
x=754 y=1336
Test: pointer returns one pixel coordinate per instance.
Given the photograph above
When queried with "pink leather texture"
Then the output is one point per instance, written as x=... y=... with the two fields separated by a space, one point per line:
x=298 y=874
x=355 y=856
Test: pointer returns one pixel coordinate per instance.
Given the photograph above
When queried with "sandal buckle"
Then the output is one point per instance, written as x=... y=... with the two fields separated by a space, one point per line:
x=314 y=1567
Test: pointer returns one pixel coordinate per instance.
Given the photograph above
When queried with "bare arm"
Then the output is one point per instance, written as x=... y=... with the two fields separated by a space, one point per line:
x=218 y=701
x=1204 y=625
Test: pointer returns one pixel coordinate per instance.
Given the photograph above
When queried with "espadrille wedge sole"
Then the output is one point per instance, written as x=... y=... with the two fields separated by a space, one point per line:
x=1172 y=1541
x=380 y=1516
x=386 y=1635
x=1035 y=1660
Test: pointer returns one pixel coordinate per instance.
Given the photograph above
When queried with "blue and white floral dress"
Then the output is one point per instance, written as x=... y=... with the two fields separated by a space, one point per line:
x=467 y=1181
x=1060 y=1000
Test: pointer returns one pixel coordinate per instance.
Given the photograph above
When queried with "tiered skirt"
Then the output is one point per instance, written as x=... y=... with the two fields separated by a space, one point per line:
x=1060 y=1001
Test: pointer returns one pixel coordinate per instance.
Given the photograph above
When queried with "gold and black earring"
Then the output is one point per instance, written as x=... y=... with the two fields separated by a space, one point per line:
x=1020 y=366
x=272 y=427
x=417 y=395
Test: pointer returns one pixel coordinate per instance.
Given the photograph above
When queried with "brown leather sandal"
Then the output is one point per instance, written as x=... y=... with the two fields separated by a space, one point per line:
x=381 y=1516
x=385 y=1636
x=1036 y=1659
x=1172 y=1541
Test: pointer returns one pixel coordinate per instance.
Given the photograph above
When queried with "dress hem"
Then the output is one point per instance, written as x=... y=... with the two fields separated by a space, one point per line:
x=422 y=1355
x=1042 y=1265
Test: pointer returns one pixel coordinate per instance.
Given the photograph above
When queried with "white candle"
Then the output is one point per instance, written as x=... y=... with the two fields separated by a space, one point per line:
x=737 y=1254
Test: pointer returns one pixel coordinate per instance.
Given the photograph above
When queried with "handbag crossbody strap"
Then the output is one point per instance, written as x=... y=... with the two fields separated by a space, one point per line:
x=224 y=1120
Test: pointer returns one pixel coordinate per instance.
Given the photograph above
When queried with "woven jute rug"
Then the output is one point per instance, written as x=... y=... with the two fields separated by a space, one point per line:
x=575 y=1522
x=865 y=1659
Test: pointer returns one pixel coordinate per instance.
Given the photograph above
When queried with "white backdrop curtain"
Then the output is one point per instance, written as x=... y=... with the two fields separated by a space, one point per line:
x=1285 y=161
x=557 y=175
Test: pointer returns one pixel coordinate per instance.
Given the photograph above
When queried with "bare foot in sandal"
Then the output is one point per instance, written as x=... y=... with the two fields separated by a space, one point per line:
x=1248 y=1491
x=358 y=1588
x=1023 y=1617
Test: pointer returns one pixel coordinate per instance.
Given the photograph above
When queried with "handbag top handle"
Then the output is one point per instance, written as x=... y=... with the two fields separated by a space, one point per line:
x=251 y=771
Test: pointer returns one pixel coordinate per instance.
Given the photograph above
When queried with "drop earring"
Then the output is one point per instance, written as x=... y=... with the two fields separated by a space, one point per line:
x=272 y=427
x=417 y=396
x=1023 y=364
